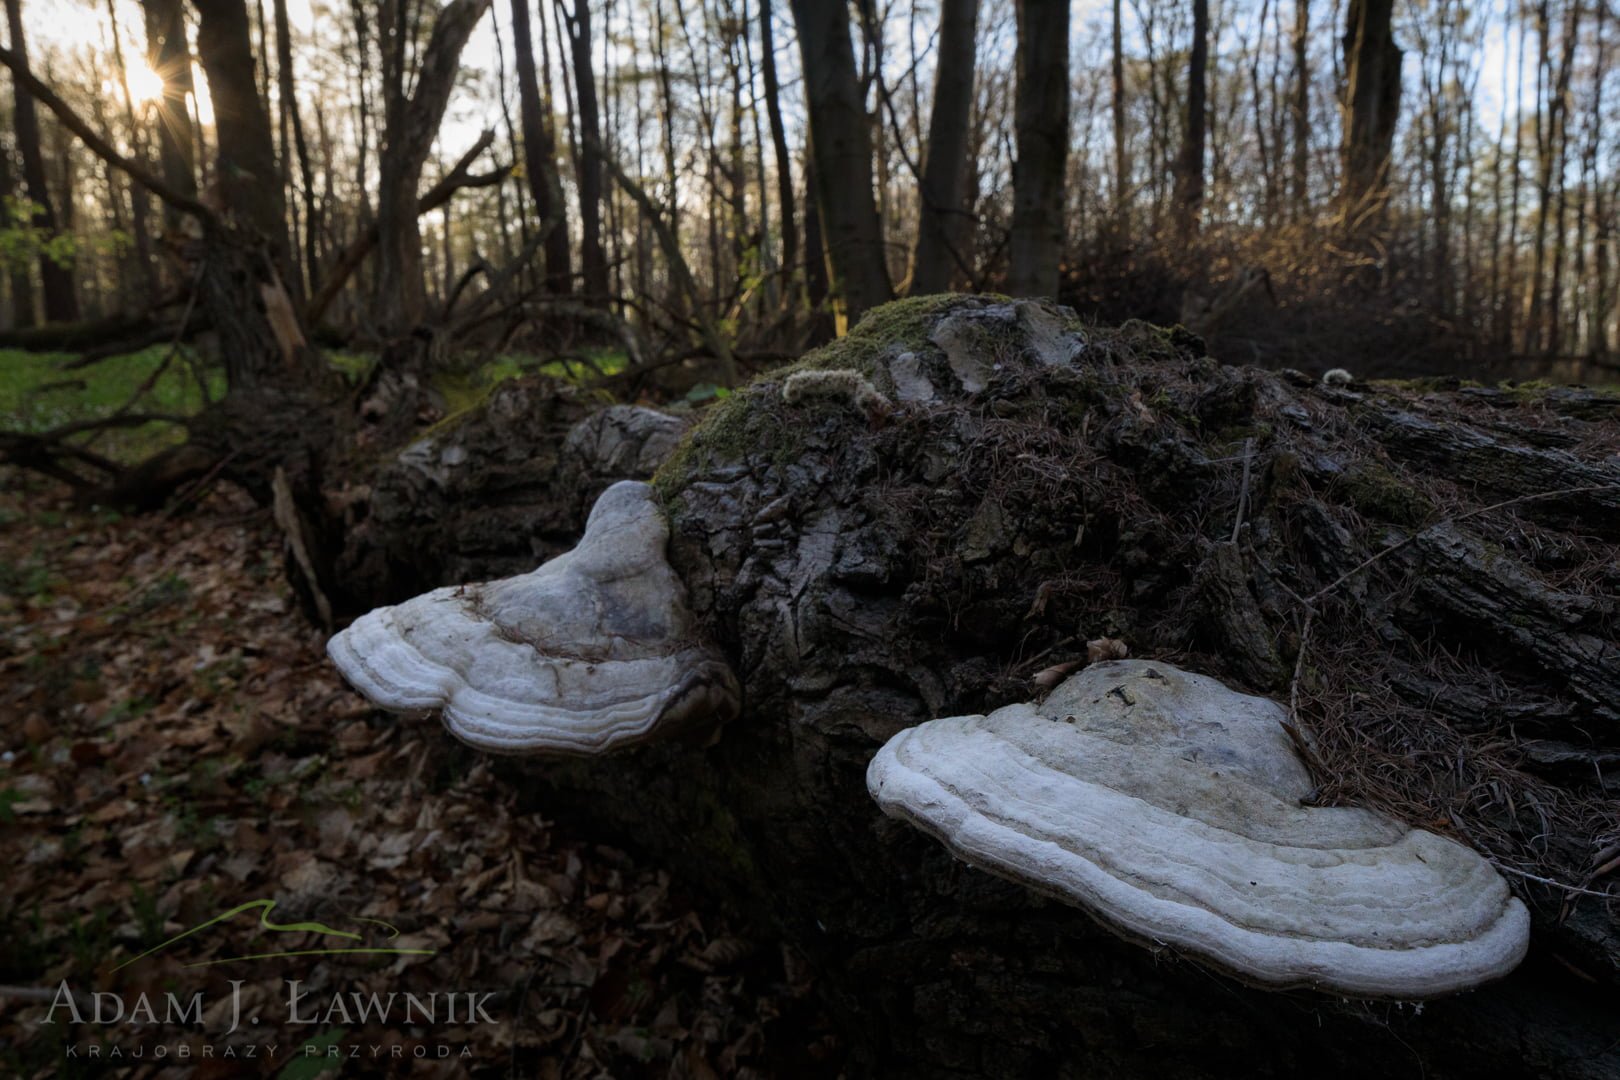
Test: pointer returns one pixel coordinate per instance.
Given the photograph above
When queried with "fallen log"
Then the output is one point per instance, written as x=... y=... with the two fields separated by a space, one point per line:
x=924 y=518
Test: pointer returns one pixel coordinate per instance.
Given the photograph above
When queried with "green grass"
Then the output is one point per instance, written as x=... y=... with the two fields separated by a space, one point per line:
x=37 y=394
x=467 y=390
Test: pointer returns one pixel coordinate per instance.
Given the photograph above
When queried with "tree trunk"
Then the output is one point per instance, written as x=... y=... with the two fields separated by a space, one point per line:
x=935 y=260
x=1042 y=122
x=56 y=279
x=1190 y=164
x=840 y=131
x=593 y=263
x=293 y=122
x=785 y=198
x=1302 y=108
x=1121 y=173
x=876 y=575
x=144 y=288
x=1372 y=106
x=22 y=284
x=823 y=324
x=170 y=56
x=399 y=296
x=540 y=155
x=249 y=185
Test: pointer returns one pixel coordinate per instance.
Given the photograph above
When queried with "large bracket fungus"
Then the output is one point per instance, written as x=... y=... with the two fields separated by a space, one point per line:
x=593 y=651
x=1170 y=806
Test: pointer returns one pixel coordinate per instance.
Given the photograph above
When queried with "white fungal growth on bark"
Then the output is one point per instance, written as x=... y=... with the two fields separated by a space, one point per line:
x=839 y=384
x=1171 y=808
x=593 y=651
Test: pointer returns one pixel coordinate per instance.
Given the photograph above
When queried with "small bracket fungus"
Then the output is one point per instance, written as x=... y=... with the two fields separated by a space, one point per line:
x=593 y=651
x=1169 y=806
x=836 y=384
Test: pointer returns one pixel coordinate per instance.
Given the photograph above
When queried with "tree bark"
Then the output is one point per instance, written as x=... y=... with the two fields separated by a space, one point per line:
x=935 y=260
x=785 y=199
x=1039 y=167
x=144 y=287
x=1117 y=77
x=864 y=577
x=841 y=134
x=248 y=180
x=18 y=277
x=399 y=297
x=1190 y=164
x=593 y=263
x=292 y=122
x=170 y=56
x=56 y=279
x=1301 y=109
x=1372 y=106
x=540 y=155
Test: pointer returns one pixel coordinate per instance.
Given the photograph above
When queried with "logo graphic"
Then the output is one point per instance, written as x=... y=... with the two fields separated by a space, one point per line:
x=264 y=908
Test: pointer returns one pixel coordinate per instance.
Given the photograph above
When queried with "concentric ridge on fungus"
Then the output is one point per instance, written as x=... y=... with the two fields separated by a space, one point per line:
x=1169 y=806
x=593 y=651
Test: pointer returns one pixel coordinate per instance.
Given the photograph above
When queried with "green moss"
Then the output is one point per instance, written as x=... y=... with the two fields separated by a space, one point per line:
x=1378 y=493
x=1425 y=384
x=906 y=322
x=754 y=416
x=727 y=429
x=1153 y=341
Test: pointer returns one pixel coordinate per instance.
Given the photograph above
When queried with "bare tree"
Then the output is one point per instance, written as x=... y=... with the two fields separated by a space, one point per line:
x=1371 y=105
x=61 y=300
x=412 y=122
x=1042 y=123
x=1190 y=163
x=1121 y=169
x=170 y=56
x=857 y=263
x=784 y=161
x=593 y=264
x=294 y=145
x=1301 y=108
x=540 y=154
x=935 y=260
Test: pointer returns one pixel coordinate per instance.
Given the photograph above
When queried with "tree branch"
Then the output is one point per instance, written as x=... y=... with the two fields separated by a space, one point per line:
x=98 y=145
x=678 y=267
x=436 y=196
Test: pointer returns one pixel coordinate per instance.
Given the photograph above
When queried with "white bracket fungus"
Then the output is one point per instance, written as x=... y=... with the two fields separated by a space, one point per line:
x=593 y=651
x=1169 y=806
x=836 y=384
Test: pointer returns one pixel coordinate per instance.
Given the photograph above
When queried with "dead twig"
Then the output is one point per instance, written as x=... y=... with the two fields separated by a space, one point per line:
x=1243 y=493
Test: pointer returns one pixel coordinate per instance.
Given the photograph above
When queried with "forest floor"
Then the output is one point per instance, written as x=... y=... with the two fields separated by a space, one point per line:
x=174 y=748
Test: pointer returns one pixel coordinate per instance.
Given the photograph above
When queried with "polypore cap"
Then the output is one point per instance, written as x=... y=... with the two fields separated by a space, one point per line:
x=1168 y=806
x=593 y=651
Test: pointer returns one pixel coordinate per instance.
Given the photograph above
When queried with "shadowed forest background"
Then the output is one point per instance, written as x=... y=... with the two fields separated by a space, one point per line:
x=310 y=306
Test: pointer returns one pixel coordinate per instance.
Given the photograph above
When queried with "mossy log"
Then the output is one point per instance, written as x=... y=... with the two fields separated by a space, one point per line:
x=1427 y=576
